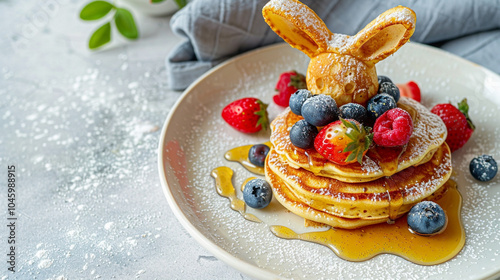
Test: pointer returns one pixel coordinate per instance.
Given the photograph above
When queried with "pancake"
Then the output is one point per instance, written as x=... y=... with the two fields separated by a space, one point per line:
x=346 y=205
x=429 y=133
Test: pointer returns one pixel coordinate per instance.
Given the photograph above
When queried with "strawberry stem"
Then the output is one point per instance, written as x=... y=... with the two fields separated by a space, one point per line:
x=361 y=139
x=298 y=81
x=464 y=108
x=262 y=113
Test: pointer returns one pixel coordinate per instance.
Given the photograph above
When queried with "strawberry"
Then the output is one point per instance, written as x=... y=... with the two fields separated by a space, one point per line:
x=288 y=83
x=457 y=121
x=410 y=90
x=343 y=141
x=247 y=115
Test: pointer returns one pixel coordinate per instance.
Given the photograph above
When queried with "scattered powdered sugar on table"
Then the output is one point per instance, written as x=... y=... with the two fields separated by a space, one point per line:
x=92 y=143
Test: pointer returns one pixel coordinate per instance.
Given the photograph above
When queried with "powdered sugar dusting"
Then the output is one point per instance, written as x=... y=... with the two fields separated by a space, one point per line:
x=398 y=16
x=303 y=15
x=217 y=222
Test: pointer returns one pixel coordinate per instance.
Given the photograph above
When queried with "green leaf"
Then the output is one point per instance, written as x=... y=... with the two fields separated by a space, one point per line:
x=101 y=36
x=350 y=124
x=359 y=158
x=96 y=10
x=262 y=113
x=298 y=80
x=181 y=3
x=351 y=157
x=351 y=147
x=125 y=23
x=355 y=127
x=464 y=108
x=368 y=141
x=156 y=1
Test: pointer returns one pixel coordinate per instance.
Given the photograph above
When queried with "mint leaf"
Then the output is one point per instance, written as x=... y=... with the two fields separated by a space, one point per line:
x=181 y=3
x=125 y=23
x=95 y=10
x=101 y=36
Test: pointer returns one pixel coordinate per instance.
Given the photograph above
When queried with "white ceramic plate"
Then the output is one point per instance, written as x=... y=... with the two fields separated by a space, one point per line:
x=195 y=138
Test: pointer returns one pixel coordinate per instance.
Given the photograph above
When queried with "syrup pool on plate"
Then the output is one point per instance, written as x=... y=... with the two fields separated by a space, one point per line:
x=366 y=242
x=240 y=154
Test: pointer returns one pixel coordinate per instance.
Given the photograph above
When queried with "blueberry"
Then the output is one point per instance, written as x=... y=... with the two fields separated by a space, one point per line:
x=302 y=134
x=483 y=168
x=384 y=79
x=320 y=110
x=297 y=100
x=353 y=111
x=390 y=89
x=257 y=154
x=379 y=104
x=426 y=218
x=257 y=193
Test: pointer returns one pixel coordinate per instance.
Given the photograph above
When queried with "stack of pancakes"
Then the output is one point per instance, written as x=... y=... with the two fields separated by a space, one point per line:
x=384 y=187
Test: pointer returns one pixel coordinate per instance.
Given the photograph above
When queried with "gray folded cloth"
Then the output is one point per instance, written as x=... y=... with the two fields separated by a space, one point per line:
x=218 y=30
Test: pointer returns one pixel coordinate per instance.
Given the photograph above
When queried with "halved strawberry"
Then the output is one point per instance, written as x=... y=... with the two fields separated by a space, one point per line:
x=410 y=90
x=247 y=115
x=343 y=141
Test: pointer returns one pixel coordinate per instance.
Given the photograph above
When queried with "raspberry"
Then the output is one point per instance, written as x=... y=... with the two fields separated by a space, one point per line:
x=393 y=128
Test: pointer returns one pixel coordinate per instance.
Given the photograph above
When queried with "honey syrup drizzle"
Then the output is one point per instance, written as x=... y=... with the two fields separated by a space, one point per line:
x=387 y=158
x=395 y=201
x=240 y=154
x=367 y=242
x=225 y=188
x=362 y=244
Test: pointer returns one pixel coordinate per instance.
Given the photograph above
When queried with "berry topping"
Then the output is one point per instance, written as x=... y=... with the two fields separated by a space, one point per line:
x=410 y=90
x=393 y=128
x=383 y=79
x=353 y=111
x=343 y=141
x=426 y=218
x=457 y=121
x=320 y=110
x=379 y=104
x=247 y=115
x=257 y=154
x=288 y=83
x=483 y=168
x=390 y=89
x=302 y=134
x=257 y=193
x=297 y=100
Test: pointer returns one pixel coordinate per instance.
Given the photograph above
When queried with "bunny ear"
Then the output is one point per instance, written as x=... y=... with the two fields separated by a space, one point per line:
x=384 y=35
x=298 y=25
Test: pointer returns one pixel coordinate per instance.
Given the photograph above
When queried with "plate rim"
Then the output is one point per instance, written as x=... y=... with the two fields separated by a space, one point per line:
x=228 y=258
x=220 y=253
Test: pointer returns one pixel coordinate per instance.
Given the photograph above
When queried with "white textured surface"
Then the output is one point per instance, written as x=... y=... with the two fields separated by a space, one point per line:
x=82 y=129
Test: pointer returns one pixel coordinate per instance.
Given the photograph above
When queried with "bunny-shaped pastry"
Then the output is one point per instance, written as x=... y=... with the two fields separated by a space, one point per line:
x=341 y=66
